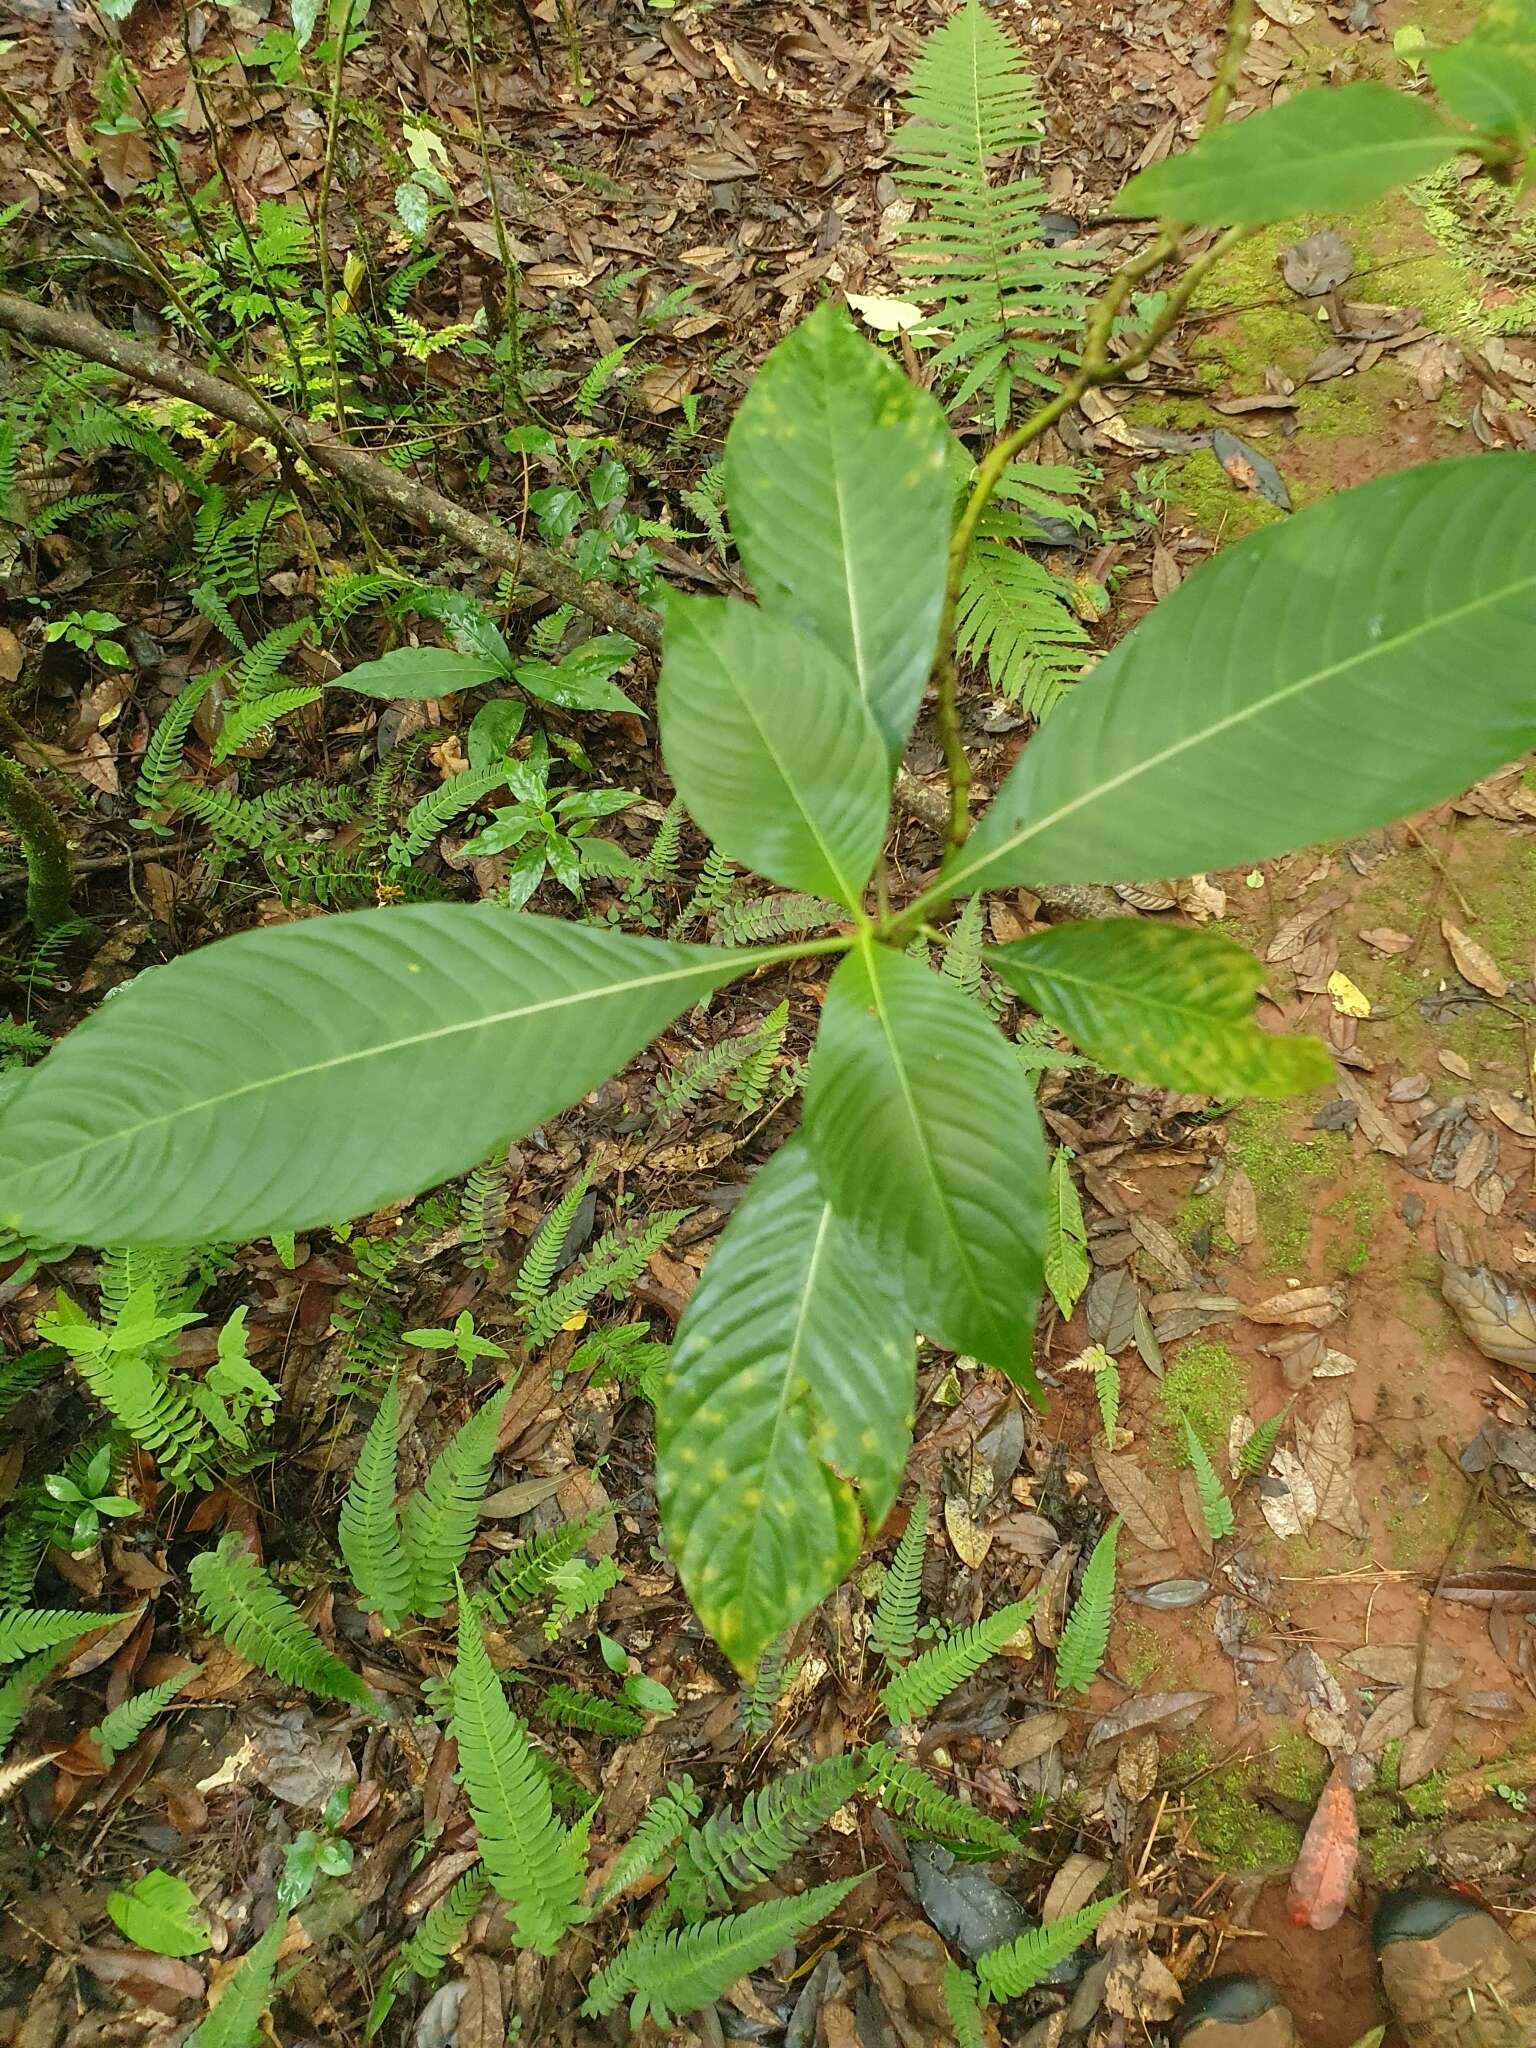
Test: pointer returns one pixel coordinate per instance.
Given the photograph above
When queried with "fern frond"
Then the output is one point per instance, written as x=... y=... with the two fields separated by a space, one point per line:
x=761 y=1696
x=924 y=1808
x=1086 y=1635
x=1014 y=619
x=369 y=1527
x=248 y=724
x=613 y=1264
x=234 y=821
x=483 y=1203
x=121 y=1729
x=542 y=1259
x=160 y=1418
x=759 y=920
x=20 y=1688
x=962 y=2001
x=1259 y=1447
x=1106 y=1385
x=919 y=1687
x=577 y=1589
x=661 y=861
x=674 y=1974
x=25 y=1372
x=568 y=1708
x=529 y=1570
x=257 y=670
x=432 y=814
x=1006 y=304
x=750 y=1083
x=237 y=2019
x=667 y=1820
x=343 y=597
x=211 y=603
x=240 y=1605
x=24 y=1631
x=894 y=1627
x=160 y=769
x=1018 y=1966
x=714 y=888
x=598 y=378
x=444 y=1925
x=23 y=1546
x=62 y=510
x=547 y=635
x=1215 y=1508
x=961 y=957
x=438 y=1524
x=727 y=1855
x=679 y=1089
x=1066 y=1235
x=537 y=1866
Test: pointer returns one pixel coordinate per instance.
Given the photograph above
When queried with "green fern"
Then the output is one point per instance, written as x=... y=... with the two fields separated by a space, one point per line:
x=20 y=1688
x=1086 y=1635
x=926 y=1809
x=236 y=2021
x=667 y=1820
x=161 y=768
x=542 y=1259
x=712 y=891
x=962 y=2001
x=1006 y=305
x=1106 y=1384
x=568 y=1708
x=598 y=378
x=1018 y=1966
x=676 y=1093
x=24 y=1373
x=928 y=1679
x=343 y=597
x=531 y=1569
x=369 y=1527
x=893 y=1630
x=728 y=1855
x=483 y=1205
x=1259 y=1446
x=24 y=1631
x=750 y=1083
x=612 y=1266
x=1014 y=618
x=23 y=1546
x=760 y=1698
x=664 y=855
x=961 y=958
x=1215 y=1508
x=444 y=1925
x=434 y=813
x=438 y=1523
x=537 y=1866
x=668 y=1976
x=121 y=1729
x=240 y=1605
x=578 y=1588
x=247 y=724
x=1066 y=1235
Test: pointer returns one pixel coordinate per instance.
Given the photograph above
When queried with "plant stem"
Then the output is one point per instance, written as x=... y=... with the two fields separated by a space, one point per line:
x=323 y=211
x=42 y=843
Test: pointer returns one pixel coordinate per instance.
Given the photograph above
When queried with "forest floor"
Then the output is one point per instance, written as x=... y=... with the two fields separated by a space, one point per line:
x=1328 y=1258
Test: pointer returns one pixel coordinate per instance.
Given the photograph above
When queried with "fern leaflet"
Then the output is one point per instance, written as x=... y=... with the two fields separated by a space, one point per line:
x=529 y=1570
x=122 y=1728
x=435 y=812
x=1018 y=1966
x=751 y=1080
x=236 y=2020
x=613 y=1264
x=894 y=1627
x=760 y=1699
x=542 y=1259
x=369 y=1527
x=568 y=1708
x=247 y=724
x=598 y=378
x=1215 y=1508
x=438 y=1524
x=920 y=1686
x=24 y=1631
x=240 y=1604
x=726 y=1855
x=19 y=1689
x=160 y=769
x=1015 y=619
x=1086 y=1635
x=667 y=1820
x=1066 y=1235
x=962 y=2001
x=578 y=1588
x=924 y=1808
x=1106 y=1384
x=537 y=1866
x=444 y=1925
x=1259 y=1446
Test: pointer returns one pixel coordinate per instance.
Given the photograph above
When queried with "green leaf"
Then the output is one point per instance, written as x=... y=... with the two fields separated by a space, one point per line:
x=26 y=1630
x=783 y=1421
x=369 y=1528
x=1297 y=688
x=924 y=1136
x=1215 y=1508
x=438 y=1523
x=1162 y=1004
x=1086 y=1635
x=920 y=1686
x=236 y=2019
x=1019 y=1965
x=419 y=672
x=241 y=1605
x=310 y=1071
x=1066 y=1236
x=893 y=1629
x=161 y=1913
x=1323 y=151
x=1489 y=82
x=581 y=682
x=836 y=479
x=1259 y=1445
x=1106 y=1385
x=963 y=2002
x=771 y=747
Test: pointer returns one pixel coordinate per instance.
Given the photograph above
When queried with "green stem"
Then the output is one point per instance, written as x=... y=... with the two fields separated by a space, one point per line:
x=323 y=212
x=43 y=845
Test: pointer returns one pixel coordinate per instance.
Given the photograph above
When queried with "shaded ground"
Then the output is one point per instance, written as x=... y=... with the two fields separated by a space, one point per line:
x=739 y=151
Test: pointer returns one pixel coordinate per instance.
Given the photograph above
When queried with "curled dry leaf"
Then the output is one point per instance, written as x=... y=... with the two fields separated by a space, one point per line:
x=1141 y=1987
x=1134 y=1499
x=1497 y=1313
x=1136 y=1766
x=1514 y=1114
x=1474 y=963
x=1325 y=1869
x=1051 y=1595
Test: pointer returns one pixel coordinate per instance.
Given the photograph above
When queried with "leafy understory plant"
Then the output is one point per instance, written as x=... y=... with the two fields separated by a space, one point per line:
x=1215 y=1508
x=1292 y=690
x=919 y=1686
x=1085 y=1638
x=241 y=1606
x=893 y=1629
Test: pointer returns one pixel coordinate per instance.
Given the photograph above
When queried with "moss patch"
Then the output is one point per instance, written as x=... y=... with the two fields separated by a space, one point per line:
x=1227 y=1819
x=1286 y=1173
x=1395 y=1853
x=1296 y=1767
x=1205 y=1386
x=1356 y=1213
x=1140 y=1653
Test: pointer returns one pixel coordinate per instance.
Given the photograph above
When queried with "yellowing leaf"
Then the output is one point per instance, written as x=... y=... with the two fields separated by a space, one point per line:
x=1348 y=1000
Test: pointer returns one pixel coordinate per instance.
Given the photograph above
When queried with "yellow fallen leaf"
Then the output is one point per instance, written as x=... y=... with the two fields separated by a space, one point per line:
x=575 y=1322
x=1348 y=1000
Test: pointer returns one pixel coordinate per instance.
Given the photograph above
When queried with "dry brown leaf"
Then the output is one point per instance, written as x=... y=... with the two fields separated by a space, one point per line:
x=1513 y=1113
x=1389 y=1721
x=663 y=390
x=1174 y=1711
x=1166 y=573
x=1136 y=1767
x=1134 y=1498
x=1377 y=1126
x=1328 y=1452
x=1051 y=1595
x=1390 y=1664
x=1240 y=1212
x=1162 y=1247
x=1474 y=963
x=1424 y=1748
x=971 y=1541
x=1385 y=940
x=1496 y=1313
x=1189 y=1500
x=1325 y=1869
x=1453 y=1063
x=1030 y=1739
x=162 y=1983
x=482 y=2021
x=1140 y=1986
x=1073 y=1887
x=1312 y=1307
x=1287 y=1497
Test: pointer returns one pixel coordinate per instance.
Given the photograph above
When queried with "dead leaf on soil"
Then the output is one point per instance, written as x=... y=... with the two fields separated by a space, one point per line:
x=1346 y=998
x=1384 y=940
x=1389 y=1664
x=1136 y=1767
x=1327 y=1450
x=1312 y=1307
x=1250 y=470
x=1513 y=1113
x=1031 y=1739
x=1424 y=1748
x=1497 y=1314
x=1389 y=1721
x=1174 y=1711
x=1325 y=1869
x=1377 y=1126
x=1194 y=1514
x=1474 y=963
x=1324 y=261
x=162 y=1983
x=1135 y=1499
x=1287 y=1497
x=1240 y=1213
x=1051 y=1595
x=970 y=1540
x=1073 y=1887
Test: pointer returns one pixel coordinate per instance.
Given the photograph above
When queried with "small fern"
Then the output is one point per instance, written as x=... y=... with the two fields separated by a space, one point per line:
x=122 y=1728
x=434 y=813
x=531 y=1569
x=712 y=891
x=20 y=1688
x=537 y=1866
x=1066 y=1235
x=24 y=1631
x=1086 y=1635
x=1215 y=1508
x=671 y=1975
x=962 y=2001
x=1018 y=1966
x=667 y=1820
x=578 y=1588
x=568 y=1708
x=1106 y=1384
x=760 y=1698
x=728 y=1855
x=760 y=920
x=369 y=1528
x=926 y=1809
x=438 y=1523
x=612 y=1266
x=483 y=1205
x=928 y=1679
x=1015 y=619
x=678 y=1090
x=237 y=2019
x=542 y=1260
x=444 y=1925
x=161 y=768
x=240 y=1605
x=24 y=1373
x=1259 y=1446
x=750 y=1083
x=250 y=723
x=893 y=1630
x=598 y=378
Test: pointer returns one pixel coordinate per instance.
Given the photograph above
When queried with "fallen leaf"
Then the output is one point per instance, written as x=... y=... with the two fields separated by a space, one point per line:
x=1424 y=1748
x=1389 y=1721
x=1324 y=261
x=1325 y=1869
x=1136 y=1767
x=1384 y=940
x=1314 y=1307
x=971 y=1541
x=1514 y=1114
x=1348 y=1000
x=482 y=2021
x=1328 y=1451
x=1473 y=962
x=1166 y=573
x=162 y=1983
x=1496 y=1313
x=1031 y=1739
x=1174 y=1711
x=1240 y=1212
x=1140 y=1986
x=1377 y=1126
x=886 y=316
x=1134 y=1498
x=1073 y=1887
x=1250 y=470
x=1453 y=1063
x=1388 y=1664
x=1287 y=1497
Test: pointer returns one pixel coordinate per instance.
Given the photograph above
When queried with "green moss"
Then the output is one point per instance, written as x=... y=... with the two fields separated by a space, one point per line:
x=1140 y=1652
x=1205 y=1386
x=1234 y=1829
x=1296 y=1767
x=1286 y=1173
x=1205 y=498
x=1358 y=1210
x=1395 y=1853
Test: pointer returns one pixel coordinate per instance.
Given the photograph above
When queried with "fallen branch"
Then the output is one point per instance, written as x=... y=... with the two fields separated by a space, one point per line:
x=420 y=506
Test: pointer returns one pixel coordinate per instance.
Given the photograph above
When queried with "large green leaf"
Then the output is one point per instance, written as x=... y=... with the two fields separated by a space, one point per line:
x=1489 y=82
x=786 y=1414
x=1320 y=151
x=1368 y=657
x=1162 y=1004
x=836 y=477
x=771 y=747
x=924 y=1135
x=162 y=1913
x=308 y=1072
x=419 y=672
